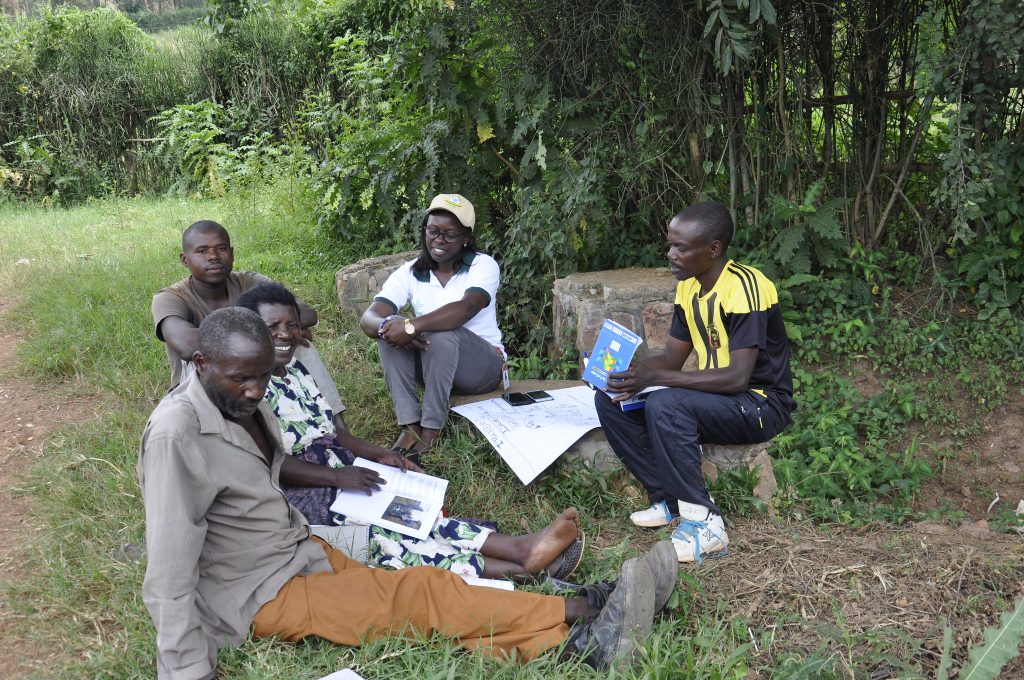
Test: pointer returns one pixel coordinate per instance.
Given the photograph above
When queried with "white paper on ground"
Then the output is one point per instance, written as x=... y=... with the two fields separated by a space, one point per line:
x=532 y=437
x=344 y=674
x=425 y=496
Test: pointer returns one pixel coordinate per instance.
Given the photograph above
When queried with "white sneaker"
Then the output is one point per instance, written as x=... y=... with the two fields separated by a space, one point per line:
x=658 y=515
x=699 y=532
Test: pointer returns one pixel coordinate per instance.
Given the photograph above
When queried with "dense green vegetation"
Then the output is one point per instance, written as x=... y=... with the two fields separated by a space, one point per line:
x=826 y=127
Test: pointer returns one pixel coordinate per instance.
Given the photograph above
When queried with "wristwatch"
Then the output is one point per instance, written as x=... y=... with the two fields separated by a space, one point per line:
x=409 y=328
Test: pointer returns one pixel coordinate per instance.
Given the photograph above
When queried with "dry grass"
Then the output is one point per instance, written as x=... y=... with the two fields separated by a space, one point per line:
x=863 y=594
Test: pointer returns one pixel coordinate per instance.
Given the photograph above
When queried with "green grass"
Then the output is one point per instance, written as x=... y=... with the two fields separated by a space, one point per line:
x=82 y=280
x=83 y=302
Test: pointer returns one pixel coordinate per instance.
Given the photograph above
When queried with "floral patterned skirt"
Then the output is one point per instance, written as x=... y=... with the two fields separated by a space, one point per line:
x=453 y=544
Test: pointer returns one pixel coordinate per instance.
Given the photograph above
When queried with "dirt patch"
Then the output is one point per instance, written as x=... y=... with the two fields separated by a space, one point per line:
x=867 y=382
x=851 y=595
x=993 y=463
x=31 y=415
x=852 y=598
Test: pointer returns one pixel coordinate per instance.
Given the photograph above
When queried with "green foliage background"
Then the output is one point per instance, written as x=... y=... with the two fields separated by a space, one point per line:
x=576 y=128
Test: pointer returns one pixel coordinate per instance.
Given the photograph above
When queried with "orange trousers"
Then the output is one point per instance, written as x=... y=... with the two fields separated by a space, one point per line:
x=356 y=604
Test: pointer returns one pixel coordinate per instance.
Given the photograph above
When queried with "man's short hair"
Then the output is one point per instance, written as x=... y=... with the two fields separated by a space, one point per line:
x=202 y=226
x=267 y=293
x=712 y=219
x=217 y=329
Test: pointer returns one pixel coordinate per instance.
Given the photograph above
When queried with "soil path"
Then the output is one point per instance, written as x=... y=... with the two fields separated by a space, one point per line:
x=28 y=417
x=988 y=472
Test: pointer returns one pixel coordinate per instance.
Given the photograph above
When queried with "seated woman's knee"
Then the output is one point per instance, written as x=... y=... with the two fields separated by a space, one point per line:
x=443 y=340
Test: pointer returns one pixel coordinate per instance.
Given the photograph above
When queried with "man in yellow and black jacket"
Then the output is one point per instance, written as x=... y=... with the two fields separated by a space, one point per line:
x=742 y=392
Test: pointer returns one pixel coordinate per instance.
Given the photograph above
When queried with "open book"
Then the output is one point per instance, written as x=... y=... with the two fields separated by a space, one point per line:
x=408 y=502
x=612 y=353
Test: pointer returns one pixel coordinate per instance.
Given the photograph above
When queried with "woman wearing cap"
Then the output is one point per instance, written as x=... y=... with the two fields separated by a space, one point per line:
x=452 y=342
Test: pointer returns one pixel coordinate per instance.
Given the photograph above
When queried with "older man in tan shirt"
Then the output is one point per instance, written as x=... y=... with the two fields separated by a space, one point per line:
x=227 y=554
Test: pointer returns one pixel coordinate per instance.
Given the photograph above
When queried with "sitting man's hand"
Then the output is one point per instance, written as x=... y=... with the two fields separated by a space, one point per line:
x=354 y=478
x=627 y=383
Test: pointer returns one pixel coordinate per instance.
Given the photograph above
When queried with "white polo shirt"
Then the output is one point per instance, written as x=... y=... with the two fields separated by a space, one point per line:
x=479 y=273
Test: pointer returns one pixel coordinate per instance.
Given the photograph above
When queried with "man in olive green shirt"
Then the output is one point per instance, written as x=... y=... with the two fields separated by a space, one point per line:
x=213 y=284
x=227 y=553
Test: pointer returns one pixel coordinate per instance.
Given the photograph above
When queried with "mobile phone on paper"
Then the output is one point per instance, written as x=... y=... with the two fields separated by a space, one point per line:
x=516 y=399
x=539 y=395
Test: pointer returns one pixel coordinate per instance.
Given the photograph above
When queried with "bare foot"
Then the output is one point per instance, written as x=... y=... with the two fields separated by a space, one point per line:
x=552 y=540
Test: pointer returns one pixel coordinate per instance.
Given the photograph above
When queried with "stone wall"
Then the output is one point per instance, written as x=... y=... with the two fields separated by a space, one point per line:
x=356 y=284
x=639 y=299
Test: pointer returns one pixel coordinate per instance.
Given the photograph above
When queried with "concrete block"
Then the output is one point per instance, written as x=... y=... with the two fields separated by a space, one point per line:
x=357 y=284
x=582 y=301
x=657 y=317
x=766 y=482
x=732 y=455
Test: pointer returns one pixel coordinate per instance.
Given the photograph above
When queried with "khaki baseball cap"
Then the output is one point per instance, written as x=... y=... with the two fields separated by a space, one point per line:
x=456 y=205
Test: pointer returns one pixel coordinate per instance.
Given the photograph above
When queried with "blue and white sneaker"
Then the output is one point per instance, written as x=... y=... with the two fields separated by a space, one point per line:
x=699 y=533
x=658 y=515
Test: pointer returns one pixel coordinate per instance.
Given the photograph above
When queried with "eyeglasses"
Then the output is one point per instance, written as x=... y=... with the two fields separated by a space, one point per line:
x=448 y=236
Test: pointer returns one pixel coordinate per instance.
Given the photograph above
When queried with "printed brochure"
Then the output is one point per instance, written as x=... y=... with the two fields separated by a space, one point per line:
x=408 y=502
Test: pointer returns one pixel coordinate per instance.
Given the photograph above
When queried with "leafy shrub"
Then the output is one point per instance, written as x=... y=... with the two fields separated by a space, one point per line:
x=838 y=456
x=431 y=99
x=78 y=100
x=993 y=269
x=982 y=168
x=807 y=236
x=66 y=55
x=213 y=150
x=223 y=16
x=260 y=69
x=79 y=91
x=194 y=136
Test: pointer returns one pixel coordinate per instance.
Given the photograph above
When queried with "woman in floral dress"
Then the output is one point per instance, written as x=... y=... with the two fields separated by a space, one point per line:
x=320 y=467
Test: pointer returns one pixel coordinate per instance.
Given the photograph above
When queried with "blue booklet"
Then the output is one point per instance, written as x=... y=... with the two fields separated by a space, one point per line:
x=638 y=400
x=612 y=353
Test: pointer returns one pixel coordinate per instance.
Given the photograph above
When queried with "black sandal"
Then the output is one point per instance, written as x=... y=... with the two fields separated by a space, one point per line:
x=571 y=558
